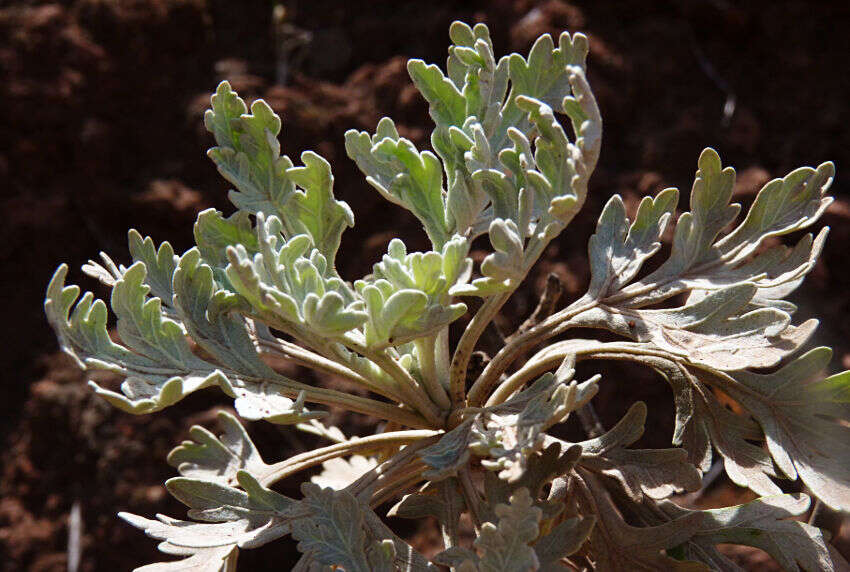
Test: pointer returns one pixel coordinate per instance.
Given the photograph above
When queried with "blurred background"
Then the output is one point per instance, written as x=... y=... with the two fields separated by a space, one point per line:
x=101 y=105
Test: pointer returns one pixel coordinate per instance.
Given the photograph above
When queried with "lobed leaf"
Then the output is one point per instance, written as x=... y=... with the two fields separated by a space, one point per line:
x=408 y=295
x=218 y=459
x=657 y=473
x=158 y=365
x=760 y=523
x=505 y=545
x=804 y=419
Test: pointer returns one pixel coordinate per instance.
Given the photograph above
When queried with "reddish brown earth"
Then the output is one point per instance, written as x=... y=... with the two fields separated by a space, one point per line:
x=100 y=130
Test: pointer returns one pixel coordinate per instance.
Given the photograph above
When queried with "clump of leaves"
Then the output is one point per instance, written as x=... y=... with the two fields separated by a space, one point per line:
x=472 y=448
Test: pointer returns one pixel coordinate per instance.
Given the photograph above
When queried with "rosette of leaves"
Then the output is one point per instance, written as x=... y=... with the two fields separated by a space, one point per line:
x=476 y=450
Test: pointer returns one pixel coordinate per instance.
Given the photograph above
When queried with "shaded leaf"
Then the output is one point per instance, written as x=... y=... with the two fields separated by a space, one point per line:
x=804 y=419
x=657 y=473
x=505 y=546
x=761 y=523
x=218 y=459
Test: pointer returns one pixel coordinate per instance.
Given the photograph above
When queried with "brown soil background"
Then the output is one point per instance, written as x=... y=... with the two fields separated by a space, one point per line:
x=100 y=130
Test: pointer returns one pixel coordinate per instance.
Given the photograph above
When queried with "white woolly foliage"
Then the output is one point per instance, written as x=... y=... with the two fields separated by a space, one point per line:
x=262 y=285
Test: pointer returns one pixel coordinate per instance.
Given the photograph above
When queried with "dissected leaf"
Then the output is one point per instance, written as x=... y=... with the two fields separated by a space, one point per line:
x=218 y=459
x=616 y=545
x=804 y=419
x=505 y=545
x=314 y=211
x=289 y=281
x=723 y=330
x=248 y=152
x=509 y=433
x=159 y=367
x=563 y=540
x=448 y=454
x=761 y=523
x=334 y=532
x=657 y=473
x=407 y=295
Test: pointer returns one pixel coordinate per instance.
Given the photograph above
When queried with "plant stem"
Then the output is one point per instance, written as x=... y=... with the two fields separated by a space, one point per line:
x=470 y=496
x=414 y=394
x=307 y=358
x=298 y=463
x=550 y=327
x=426 y=354
x=460 y=360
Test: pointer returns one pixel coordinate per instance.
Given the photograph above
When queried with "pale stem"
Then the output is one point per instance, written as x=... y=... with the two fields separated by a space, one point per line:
x=550 y=327
x=402 y=481
x=470 y=496
x=383 y=386
x=460 y=360
x=306 y=358
x=552 y=356
x=443 y=357
x=312 y=394
x=403 y=460
x=298 y=463
x=426 y=355
x=414 y=394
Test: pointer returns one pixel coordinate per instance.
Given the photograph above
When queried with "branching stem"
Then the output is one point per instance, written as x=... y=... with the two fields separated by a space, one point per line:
x=315 y=457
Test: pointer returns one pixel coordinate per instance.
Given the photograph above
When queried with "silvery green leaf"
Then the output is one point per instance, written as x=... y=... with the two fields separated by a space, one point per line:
x=215 y=559
x=340 y=472
x=159 y=262
x=555 y=162
x=804 y=420
x=543 y=74
x=760 y=523
x=210 y=319
x=333 y=533
x=329 y=432
x=207 y=544
x=248 y=155
x=505 y=545
x=407 y=295
x=504 y=268
x=314 y=211
x=214 y=233
x=404 y=556
x=290 y=281
x=216 y=502
x=248 y=152
x=207 y=313
x=106 y=273
x=245 y=518
x=701 y=261
x=723 y=330
x=541 y=469
x=509 y=434
x=441 y=500
x=458 y=558
x=266 y=401
x=657 y=473
x=618 y=249
x=448 y=454
x=157 y=363
x=477 y=117
x=218 y=459
x=732 y=435
x=403 y=175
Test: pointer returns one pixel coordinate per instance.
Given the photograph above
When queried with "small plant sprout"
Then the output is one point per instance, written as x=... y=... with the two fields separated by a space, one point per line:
x=465 y=438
